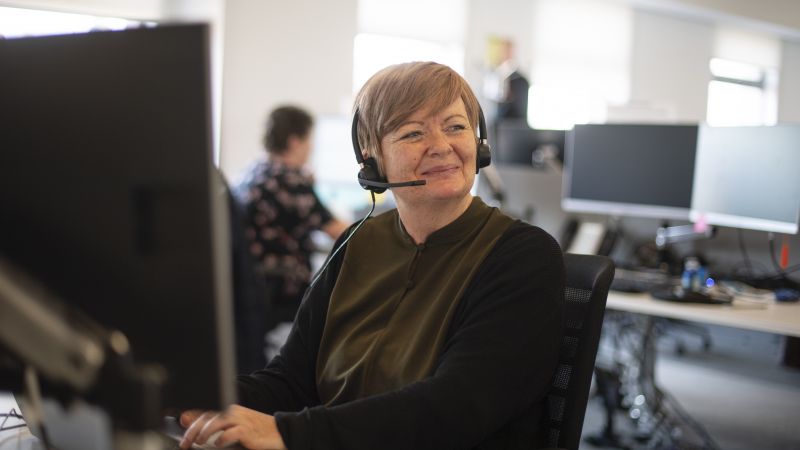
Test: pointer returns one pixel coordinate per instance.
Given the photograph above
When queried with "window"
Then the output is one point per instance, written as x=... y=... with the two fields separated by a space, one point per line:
x=17 y=22
x=582 y=62
x=741 y=94
x=743 y=86
x=372 y=52
x=393 y=31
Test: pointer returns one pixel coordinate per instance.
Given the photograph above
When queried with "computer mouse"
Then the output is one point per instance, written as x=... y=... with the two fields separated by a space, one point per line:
x=787 y=295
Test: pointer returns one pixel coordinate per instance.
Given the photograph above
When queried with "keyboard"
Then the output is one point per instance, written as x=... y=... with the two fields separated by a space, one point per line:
x=628 y=280
x=680 y=295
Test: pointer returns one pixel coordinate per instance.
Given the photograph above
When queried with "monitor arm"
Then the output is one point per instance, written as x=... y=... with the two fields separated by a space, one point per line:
x=666 y=235
x=34 y=326
x=74 y=354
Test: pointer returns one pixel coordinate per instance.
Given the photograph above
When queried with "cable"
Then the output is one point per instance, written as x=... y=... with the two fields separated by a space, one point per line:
x=742 y=247
x=774 y=258
x=787 y=271
x=341 y=246
x=780 y=271
x=13 y=414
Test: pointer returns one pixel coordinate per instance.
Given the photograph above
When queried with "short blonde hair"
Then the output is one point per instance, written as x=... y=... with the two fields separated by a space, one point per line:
x=394 y=93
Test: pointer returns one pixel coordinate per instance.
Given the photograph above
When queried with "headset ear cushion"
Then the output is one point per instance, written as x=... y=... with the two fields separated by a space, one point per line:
x=484 y=156
x=369 y=172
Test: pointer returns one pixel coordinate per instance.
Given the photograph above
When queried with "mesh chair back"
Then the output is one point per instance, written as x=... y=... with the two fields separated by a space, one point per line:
x=588 y=278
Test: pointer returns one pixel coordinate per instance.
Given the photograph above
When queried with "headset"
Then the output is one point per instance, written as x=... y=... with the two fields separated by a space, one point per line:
x=370 y=178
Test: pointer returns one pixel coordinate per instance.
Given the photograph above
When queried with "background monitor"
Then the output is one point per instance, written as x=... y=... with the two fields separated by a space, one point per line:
x=110 y=199
x=748 y=177
x=514 y=142
x=630 y=170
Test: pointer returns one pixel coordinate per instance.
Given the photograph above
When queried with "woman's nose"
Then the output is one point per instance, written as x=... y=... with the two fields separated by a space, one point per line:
x=439 y=142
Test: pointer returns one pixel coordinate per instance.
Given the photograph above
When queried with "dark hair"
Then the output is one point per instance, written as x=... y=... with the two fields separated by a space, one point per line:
x=282 y=123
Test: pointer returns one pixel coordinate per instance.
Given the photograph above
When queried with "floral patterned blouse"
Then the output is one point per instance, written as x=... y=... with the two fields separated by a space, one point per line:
x=281 y=210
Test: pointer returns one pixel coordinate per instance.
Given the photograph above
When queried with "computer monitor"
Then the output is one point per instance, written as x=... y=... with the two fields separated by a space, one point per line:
x=110 y=200
x=515 y=142
x=748 y=177
x=630 y=170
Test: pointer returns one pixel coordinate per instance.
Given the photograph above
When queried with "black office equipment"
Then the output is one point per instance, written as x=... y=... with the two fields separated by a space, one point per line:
x=108 y=198
x=630 y=170
x=516 y=143
x=680 y=295
x=640 y=280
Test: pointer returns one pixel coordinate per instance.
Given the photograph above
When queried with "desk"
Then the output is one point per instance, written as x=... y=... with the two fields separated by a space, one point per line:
x=14 y=438
x=778 y=318
x=660 y=421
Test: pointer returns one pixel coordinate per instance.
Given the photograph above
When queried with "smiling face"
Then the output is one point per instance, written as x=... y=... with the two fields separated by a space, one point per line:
x=436 y=146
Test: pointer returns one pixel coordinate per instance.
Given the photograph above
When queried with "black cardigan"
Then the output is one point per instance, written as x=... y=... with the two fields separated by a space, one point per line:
x=487 y=390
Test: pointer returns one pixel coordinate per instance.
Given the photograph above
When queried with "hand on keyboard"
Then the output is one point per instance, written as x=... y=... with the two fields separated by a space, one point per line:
x=251 y=429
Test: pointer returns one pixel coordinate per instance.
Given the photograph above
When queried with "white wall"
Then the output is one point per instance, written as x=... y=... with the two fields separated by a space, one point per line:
x=789 y=90
x=280 y=51
x=775 y=15
x=669 y=65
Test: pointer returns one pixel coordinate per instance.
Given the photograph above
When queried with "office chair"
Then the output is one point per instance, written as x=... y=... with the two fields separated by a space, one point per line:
x=588 y=278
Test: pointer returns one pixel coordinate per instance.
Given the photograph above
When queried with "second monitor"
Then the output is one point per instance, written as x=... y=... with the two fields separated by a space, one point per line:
x=630 y=170
x=747 y=177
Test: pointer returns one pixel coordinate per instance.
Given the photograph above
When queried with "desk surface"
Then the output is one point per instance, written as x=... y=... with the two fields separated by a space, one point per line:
x=778 y=318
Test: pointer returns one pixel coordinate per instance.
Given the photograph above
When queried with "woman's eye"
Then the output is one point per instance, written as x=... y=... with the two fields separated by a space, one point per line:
x=411 y=135
x=457 y=127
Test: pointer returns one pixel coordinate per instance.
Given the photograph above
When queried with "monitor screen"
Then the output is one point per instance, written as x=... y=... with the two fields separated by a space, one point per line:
x=109 y=197
x=630 y=170
x=748 y=177
x=514 y=142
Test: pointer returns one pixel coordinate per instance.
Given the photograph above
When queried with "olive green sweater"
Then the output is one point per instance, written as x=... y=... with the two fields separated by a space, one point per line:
x=451 y=344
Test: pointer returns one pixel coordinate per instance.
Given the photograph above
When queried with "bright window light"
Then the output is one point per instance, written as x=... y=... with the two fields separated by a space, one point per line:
x=435 y=21
x=732 y=104
x=553 y=107
x=372 y=52
x=17 y=22
x=724 y=68
x=582 y=62
x=741 y=94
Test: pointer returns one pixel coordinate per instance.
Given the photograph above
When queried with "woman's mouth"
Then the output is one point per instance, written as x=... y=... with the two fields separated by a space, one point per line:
x=440 y=170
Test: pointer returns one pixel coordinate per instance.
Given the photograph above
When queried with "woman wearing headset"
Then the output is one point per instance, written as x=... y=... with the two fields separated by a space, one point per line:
x=438 y=324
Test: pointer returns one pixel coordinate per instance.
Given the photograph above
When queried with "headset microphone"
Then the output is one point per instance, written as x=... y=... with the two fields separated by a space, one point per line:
x=380 y=185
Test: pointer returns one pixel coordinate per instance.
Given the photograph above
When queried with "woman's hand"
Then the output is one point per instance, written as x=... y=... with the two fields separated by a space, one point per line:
x=251 y=429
